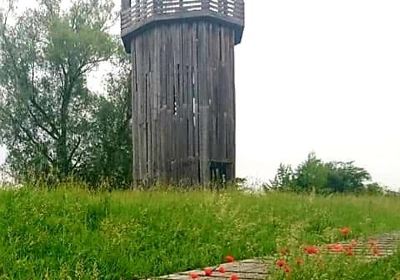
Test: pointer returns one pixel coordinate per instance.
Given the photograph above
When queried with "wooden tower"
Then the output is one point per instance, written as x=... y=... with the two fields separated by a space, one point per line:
x=183 y=87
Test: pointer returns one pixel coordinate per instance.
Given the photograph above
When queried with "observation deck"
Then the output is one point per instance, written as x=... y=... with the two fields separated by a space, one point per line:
x=138 y=15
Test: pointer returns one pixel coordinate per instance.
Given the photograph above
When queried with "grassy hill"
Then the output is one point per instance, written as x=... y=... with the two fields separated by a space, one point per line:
x=75 y=234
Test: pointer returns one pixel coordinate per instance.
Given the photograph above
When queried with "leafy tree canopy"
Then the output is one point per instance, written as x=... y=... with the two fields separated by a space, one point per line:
x=49 y=120
x=315 y=175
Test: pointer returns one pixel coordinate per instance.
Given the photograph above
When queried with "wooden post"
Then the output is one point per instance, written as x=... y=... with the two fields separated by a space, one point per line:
x=125 y=4
x=224 y=7
x=205 y=5
x=156 y=7
x=140 y=9
x=221 y=5
x=181 y=6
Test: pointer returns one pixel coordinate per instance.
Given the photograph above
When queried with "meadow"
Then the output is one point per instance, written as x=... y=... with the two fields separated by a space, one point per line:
x=72 y=233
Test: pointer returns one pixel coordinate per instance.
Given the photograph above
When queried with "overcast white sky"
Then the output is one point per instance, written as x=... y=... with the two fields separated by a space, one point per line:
x=323 y=76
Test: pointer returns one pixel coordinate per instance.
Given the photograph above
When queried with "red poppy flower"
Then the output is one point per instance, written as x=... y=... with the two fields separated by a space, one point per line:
x=348 y=250
x=234 y=277
x=345 y=231
x=221 y=269
x=373 y=245
x=287 y=269
x=229 y=259
x=375 y=251
x=280 y=263
x=208 y=271
x=335 y=248
x=194 y=275
x=311 y=250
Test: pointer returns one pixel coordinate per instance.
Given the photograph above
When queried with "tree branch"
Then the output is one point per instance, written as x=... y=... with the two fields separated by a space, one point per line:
x=29 y=135
x=54 y=131
x=37 y=122
x=77 y=161
x=74 y=149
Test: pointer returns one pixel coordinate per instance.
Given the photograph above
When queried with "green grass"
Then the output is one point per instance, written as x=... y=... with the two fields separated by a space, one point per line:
x=76 y=234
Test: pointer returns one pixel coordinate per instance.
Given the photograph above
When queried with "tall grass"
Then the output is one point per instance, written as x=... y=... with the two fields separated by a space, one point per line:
x=73 y=233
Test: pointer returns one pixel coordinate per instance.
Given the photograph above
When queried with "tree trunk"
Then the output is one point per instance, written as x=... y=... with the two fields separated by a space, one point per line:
x=63 y=157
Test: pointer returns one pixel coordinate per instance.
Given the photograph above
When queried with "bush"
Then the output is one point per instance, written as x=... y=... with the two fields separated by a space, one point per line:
x=331 y=177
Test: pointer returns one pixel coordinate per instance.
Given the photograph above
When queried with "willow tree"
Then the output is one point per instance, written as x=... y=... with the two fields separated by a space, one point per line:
x=46 y=108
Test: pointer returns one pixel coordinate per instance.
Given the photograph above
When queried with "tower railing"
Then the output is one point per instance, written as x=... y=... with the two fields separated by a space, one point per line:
x=138 y=12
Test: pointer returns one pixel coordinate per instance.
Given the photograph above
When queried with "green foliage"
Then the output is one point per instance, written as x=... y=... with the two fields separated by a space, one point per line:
x=70 y=233
x=344 y=176
x=315 y=175
x=284 y=177
x=110 y=155
x=375 y=188
x=50 y=122
x=311 y=174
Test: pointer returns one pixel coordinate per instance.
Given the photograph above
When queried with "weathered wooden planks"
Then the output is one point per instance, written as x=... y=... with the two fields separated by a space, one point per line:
x=247 y=269
x=183 y=103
